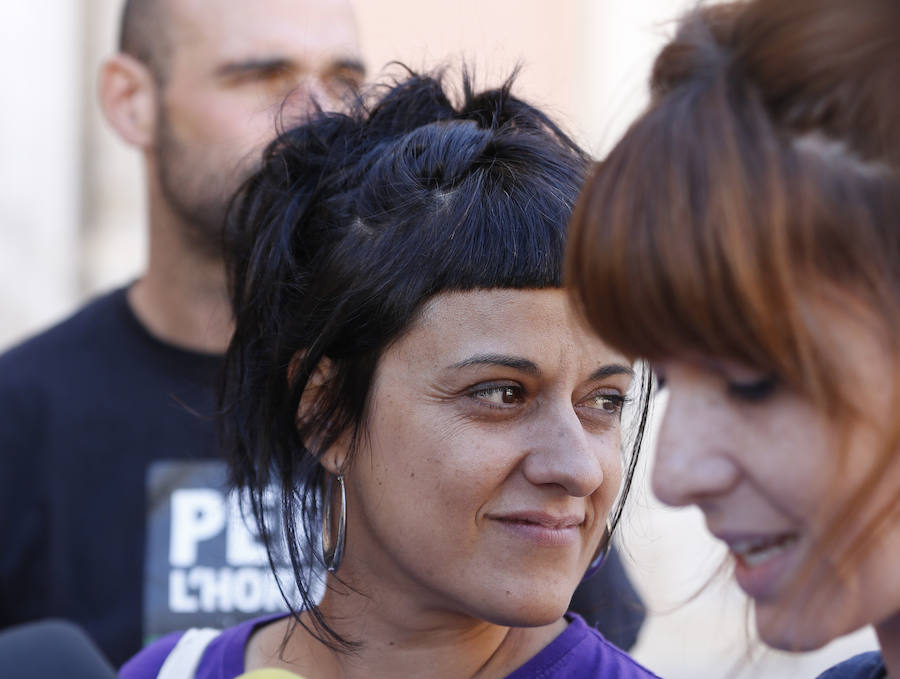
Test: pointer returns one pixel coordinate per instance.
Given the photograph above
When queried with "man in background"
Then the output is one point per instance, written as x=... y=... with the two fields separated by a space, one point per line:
x=111 y=503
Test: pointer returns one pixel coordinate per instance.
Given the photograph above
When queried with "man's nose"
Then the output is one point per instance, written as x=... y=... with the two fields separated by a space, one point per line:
x=311 y=94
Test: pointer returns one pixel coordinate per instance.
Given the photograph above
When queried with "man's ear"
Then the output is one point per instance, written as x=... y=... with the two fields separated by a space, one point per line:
x=335 y=457
x=128 y=97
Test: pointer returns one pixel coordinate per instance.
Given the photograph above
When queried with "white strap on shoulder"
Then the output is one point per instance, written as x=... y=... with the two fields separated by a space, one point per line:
x=182 y=661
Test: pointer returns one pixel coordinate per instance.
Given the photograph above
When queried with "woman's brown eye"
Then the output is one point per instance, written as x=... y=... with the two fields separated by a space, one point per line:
x=608 y=403
x=499 y=395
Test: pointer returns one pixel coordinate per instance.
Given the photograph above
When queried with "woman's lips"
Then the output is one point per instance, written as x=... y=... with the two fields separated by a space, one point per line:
x=762 y=561
x=541 y=528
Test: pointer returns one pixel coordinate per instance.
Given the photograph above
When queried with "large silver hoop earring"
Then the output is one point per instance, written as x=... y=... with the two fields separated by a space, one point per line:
x=333 y=548
x=602 y=552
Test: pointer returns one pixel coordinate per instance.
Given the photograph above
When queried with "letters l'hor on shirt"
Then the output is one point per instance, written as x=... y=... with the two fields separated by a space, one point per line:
x=204 y=564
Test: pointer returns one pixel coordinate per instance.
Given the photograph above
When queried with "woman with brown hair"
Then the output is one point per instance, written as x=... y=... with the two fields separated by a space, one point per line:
x=744 y=236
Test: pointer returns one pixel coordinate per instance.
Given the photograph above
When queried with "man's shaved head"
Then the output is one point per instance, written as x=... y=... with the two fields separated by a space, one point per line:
x=223 y=72
x=144 y=34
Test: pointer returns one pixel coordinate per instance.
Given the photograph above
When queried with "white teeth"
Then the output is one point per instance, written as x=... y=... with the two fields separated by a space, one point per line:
x=754 y=552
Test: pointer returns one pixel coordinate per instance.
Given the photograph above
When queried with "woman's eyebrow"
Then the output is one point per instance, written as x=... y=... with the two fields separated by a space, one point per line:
x=611 y=370
x=514 y=362
x=531 y=368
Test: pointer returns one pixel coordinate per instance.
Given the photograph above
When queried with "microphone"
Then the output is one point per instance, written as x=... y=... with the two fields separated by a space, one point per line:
x=51 y=648
x=269 y=673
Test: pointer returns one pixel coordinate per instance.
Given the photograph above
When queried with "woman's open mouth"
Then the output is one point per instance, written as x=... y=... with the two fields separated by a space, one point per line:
x=762 y=561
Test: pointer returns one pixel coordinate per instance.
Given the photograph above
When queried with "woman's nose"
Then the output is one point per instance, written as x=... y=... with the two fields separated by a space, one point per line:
x=692 y=461
x=562 y=453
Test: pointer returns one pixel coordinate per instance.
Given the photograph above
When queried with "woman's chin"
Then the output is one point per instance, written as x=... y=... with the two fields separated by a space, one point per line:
x=792 y=632
x=527 y=611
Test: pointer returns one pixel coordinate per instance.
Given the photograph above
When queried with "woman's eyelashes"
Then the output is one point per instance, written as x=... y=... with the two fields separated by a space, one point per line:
x=754 y=390
x=498 y=395
x=508 y=396
x=607 y=403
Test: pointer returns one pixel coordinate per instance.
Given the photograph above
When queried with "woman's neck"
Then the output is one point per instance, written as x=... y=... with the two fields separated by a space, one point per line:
x=397 y=642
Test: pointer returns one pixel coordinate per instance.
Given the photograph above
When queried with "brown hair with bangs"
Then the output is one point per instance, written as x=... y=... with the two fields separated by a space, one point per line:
x=763 y=176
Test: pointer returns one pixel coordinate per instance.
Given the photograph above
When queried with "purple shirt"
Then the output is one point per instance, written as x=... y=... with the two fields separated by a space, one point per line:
x=579 y=652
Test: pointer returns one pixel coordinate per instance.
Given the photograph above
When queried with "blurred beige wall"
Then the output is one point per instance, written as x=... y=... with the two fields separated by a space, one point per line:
x=491 y=36
x=40 y=151
x=72 y=224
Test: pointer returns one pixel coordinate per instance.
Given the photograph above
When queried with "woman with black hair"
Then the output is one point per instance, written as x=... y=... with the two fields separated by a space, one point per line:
x=408 y=377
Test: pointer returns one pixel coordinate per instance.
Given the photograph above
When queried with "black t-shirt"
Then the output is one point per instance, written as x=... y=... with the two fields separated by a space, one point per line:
x=85 y=408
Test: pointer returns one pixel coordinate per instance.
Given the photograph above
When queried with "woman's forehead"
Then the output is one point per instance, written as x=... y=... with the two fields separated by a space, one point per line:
x=537 y=324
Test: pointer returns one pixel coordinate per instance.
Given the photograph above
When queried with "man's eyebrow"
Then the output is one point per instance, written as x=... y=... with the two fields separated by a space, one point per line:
x=348 y=64
x=233 y=68
x=514 y=362
x=612 y=370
